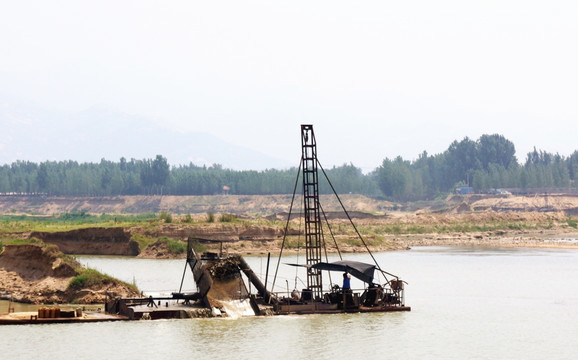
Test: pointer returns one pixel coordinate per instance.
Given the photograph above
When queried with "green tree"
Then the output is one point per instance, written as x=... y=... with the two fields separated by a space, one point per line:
x=393 y=177
x=42 y=178
x=160 y=171
x=461 y=158
x=496 y=149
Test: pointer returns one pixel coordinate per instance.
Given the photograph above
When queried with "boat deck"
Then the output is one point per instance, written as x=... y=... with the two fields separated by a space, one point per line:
x=323 y=308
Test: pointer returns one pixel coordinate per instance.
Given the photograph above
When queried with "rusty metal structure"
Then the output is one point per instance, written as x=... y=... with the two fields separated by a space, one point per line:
x=313 y=228
x=218 y=280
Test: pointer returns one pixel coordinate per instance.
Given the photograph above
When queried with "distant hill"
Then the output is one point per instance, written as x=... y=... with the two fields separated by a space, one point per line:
x=33 y=133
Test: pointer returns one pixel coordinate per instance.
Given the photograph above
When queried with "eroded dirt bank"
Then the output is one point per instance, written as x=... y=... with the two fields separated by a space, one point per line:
x=39 y=274
x=119 y=241
x=91 y=241
x=221 y=232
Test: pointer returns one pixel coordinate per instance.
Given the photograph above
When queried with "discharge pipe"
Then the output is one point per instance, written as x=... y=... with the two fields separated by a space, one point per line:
x=262 y=290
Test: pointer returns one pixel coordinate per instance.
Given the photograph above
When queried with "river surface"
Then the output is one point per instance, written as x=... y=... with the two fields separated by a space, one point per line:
x=467 y=303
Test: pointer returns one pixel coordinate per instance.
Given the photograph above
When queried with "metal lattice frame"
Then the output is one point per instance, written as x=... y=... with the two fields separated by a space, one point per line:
x=313 y=230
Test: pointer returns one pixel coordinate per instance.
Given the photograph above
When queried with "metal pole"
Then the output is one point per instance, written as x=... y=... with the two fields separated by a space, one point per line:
x=183 y=278
x=267 y=270
x=254 y=279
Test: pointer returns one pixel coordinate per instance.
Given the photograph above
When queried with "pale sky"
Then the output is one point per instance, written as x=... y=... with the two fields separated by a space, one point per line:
x=376 y=78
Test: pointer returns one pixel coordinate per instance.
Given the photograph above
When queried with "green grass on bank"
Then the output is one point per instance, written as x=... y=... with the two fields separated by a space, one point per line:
x=77 y=217
x=174 y=246
x=90 y=278
x=68 y=221
x=80 y=219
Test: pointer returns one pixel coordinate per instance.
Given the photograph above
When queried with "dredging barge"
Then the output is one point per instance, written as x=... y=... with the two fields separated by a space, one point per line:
x=219 y=279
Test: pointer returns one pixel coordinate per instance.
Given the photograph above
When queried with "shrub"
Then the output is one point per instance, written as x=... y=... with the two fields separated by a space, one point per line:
x=227 y=218
x=167 y=217
x=210 y=217
x=174 y=246
x=90 y=278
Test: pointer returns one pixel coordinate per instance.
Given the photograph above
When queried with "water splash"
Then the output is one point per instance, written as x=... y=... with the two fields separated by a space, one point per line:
x=237 y=308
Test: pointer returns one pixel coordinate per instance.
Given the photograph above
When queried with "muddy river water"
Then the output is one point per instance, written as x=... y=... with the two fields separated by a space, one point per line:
x=466 y=303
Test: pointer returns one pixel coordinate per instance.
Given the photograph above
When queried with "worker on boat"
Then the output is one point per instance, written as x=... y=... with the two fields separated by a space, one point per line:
x=346 y=282
x=347 y=299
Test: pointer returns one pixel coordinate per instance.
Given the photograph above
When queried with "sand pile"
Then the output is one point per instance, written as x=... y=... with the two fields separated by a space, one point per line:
x=41 y=274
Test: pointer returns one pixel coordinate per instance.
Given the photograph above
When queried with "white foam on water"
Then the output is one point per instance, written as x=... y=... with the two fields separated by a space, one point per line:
x=237 y=308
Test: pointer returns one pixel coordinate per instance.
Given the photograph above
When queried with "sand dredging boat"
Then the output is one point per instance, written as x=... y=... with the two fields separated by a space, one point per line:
x=314 y=299
x=227 y=285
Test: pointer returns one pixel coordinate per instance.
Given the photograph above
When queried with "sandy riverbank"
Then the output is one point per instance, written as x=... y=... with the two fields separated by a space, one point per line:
x=554 y=239
x=32 y=273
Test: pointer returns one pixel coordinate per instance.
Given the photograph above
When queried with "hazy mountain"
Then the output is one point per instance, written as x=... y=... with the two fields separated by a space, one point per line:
x=31 y=132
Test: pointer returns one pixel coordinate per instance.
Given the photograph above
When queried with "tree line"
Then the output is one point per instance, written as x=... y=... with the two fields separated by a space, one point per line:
x=157 y=177
x=484 y=164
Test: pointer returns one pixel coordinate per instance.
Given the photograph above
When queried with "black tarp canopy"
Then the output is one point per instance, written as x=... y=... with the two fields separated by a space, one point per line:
x=362 y=271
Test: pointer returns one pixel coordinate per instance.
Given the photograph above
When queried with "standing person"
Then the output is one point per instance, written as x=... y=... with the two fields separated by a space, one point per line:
x=346 y=281
x=347 y=299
